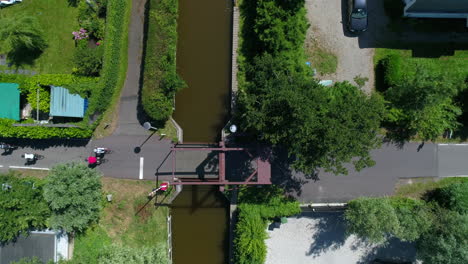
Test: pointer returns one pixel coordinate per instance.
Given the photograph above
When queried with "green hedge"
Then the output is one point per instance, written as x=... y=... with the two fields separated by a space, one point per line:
x=7 y=130
x=114 y=67
x=160 y=80
x=256 y=208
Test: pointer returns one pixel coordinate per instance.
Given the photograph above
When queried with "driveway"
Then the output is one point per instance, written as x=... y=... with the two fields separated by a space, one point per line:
x=326 y=27
x=320 y=238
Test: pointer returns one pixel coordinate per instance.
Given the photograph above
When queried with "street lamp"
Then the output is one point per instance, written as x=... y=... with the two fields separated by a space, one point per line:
x=148 y=126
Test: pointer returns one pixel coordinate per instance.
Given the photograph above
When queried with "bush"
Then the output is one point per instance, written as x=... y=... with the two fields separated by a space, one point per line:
x=22 y=206
x=88 y=61
x=256 y=207
x=7 y=130
x=116 y=254
x=159 y=77
x=414 y=217
x=453 y=197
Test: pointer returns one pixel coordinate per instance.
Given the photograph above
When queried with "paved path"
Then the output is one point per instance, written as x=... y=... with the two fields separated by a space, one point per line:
x=391 y=165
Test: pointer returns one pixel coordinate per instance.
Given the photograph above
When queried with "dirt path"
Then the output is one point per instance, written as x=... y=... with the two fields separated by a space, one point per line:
x=325 y=18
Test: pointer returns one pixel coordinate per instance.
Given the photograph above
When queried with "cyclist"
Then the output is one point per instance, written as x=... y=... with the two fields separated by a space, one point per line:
x=100 y=151
x=29 y=156
x=92 y=160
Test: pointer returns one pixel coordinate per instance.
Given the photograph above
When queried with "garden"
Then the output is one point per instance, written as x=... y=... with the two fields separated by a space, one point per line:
x=85 y=55
x=73 y=198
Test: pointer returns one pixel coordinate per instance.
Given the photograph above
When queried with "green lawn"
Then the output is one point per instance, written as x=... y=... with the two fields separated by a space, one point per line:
x=321 y=59
x=418 y=188
x=125 y=220
x=58 y=20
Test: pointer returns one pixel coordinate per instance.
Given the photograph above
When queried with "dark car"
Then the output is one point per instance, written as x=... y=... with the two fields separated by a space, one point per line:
x=357 y=15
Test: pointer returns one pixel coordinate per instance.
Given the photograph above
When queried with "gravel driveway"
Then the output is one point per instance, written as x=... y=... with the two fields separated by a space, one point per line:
x=325 y=18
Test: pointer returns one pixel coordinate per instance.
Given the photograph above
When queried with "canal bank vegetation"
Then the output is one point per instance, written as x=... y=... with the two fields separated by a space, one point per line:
x=160 y=79
x=257 y=208
x=280 y=102
x=437 y=222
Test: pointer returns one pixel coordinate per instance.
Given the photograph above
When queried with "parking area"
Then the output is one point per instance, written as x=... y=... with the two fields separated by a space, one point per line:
x=320 y=238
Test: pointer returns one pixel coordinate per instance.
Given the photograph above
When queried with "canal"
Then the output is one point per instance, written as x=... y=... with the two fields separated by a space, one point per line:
x=204 y=63
x=200 y=219
x=200 y=213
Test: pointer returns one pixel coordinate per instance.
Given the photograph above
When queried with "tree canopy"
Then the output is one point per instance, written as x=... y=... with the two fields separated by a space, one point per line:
x=22 y=206
x=320 y=126
x=73 y=192
x=21 y=32
x=422 y=105
x=447 y=240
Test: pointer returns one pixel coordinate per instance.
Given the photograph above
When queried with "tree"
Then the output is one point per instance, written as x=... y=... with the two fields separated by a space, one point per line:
x=453 y=197
x=22 y=206
x=116 y=254
x=447 y=240
x=372 y=219
x=73 y=192
x=319 y=126
x=414 y=218
x=422 y=105
x=21 y=33
x=88 y=61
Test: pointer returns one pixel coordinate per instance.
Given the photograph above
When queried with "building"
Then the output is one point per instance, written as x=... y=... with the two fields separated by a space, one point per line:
x=436 y=9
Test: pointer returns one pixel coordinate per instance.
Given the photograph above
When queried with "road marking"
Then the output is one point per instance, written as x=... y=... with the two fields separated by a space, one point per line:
x=141 y=168
x=1 y=166
x=27 y=168
x=461 y=144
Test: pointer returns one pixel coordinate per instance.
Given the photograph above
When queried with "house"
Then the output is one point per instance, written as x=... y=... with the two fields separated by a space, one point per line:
x=436 y=8
x=10 y=104
x=46 y=245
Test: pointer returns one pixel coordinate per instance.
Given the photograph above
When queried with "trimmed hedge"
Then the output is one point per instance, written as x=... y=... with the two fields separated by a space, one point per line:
x=160 y=80
x=7 y=130
x=257 y=207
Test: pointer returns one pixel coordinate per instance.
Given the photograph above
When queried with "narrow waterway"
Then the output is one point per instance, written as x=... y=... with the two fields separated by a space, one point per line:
x=204 y=62
x=200 y=220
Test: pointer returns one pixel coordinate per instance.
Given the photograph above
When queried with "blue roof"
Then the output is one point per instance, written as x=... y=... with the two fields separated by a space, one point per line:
x=62 y=103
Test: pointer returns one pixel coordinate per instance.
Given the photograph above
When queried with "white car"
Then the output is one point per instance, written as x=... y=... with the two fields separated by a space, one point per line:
x=4 y=3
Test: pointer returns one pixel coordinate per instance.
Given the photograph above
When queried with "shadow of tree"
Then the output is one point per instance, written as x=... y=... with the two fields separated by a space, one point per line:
x=393 y=250
x=21 y=55
x=283 y=175
x=330 y=234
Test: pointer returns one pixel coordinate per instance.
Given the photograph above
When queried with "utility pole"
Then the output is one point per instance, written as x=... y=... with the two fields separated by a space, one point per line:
x=37 y=109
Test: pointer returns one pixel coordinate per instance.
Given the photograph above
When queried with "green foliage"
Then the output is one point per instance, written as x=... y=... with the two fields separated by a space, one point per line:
x=414 y=218
x=114 y=63
x=360 y=81
x=90 y=245
x=88 y=61
x=33 y=260
x=371 y=218
x=116 y=254
x=160 y=80
x=22 y=207
x=446 y=242
x=90 y=15
x=453 y=197
x=280 y=26
x=320 y=126
x=7 y=130
x=73 y=192
x=22 y=34
x=421 y=104
x=256 y=207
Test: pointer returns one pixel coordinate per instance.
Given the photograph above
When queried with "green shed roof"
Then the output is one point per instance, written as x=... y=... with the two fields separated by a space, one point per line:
x=10 y=102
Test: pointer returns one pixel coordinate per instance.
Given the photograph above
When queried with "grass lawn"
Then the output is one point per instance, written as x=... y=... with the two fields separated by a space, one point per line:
x=58 y=20
x=418 y=188
x=324 y=61
x=120 y=222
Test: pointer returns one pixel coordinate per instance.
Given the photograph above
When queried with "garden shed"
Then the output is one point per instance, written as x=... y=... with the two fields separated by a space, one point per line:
x=10 y=104
x=64 y=104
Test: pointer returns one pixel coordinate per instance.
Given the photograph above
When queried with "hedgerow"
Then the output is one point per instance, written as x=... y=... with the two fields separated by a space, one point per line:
x=256 y=208
x=160 y=80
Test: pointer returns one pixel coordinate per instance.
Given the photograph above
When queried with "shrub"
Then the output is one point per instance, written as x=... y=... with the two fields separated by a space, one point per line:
x=159 y=77
x=256 y=207
x=453 y=197
x=414 y=217
x=88 y=61
x=22 y=206
x=116 y=254
x=7 y=130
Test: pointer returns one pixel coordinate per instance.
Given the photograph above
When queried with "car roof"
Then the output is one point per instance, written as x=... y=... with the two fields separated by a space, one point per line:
x=360 y=3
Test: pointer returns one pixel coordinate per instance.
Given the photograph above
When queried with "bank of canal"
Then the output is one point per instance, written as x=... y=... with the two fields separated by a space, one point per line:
x=204 y=62
x=200 y=219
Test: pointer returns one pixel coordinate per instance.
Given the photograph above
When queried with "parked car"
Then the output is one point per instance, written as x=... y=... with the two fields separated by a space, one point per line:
x=357 y=15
